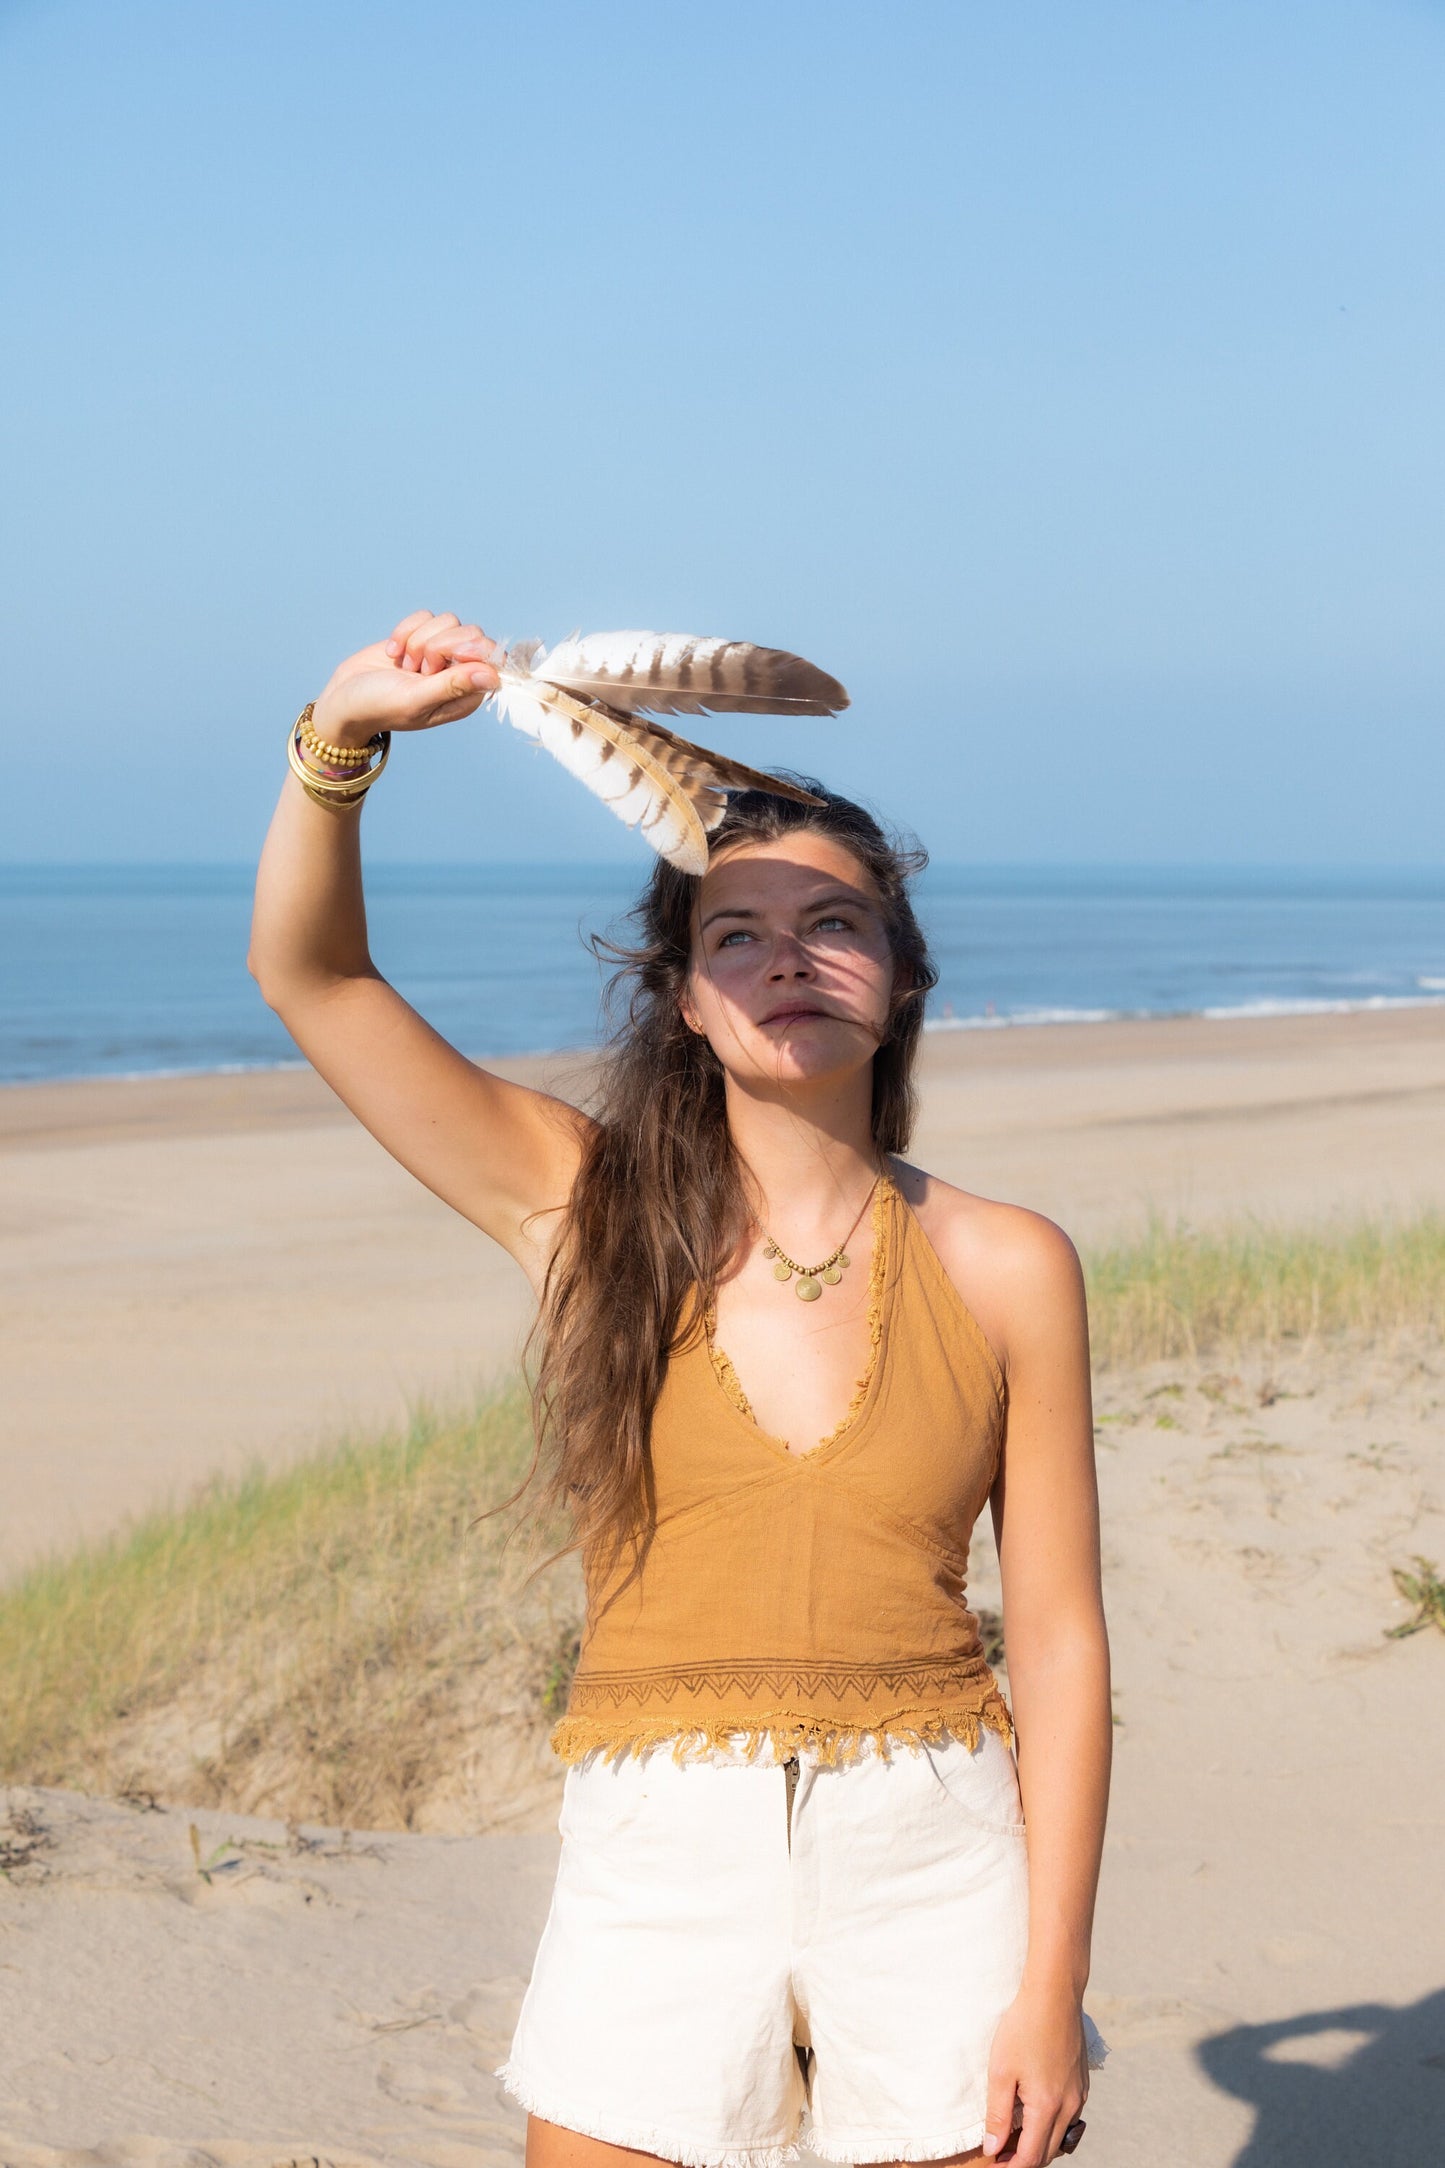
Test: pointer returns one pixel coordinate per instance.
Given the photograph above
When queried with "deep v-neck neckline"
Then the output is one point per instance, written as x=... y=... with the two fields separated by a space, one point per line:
x=881 y=1283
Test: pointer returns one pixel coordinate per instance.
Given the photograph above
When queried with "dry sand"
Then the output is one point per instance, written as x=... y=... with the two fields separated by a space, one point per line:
x=197 y=1270
x=1269 y=1968
x=1270 y=1963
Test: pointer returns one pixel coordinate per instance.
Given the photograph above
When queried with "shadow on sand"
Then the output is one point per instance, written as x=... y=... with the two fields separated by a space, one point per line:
x=1376 y=2093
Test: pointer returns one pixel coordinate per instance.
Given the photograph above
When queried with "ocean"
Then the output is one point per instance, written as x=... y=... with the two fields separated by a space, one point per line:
x=140 y=970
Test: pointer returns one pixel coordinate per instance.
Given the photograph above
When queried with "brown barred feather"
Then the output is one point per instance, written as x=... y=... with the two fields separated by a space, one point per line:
x=673 y=673
x=673 y=790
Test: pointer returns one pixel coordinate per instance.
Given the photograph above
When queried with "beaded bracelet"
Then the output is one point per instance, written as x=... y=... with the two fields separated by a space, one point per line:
x=335 y=756
x=346 y=789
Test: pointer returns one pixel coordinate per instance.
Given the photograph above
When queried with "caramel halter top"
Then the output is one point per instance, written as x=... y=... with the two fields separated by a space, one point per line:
x=814 y=1599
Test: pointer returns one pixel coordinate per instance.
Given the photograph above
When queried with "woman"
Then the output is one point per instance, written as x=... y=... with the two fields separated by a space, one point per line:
x=795 y=1897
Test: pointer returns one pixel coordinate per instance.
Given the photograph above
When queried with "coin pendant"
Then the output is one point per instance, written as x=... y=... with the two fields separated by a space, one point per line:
x=831 y=1275
x=782 y=1271
x=808 y=1289
x=845 y=1260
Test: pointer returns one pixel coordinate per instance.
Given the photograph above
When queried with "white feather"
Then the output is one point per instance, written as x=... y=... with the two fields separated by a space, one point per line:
x=606 y=756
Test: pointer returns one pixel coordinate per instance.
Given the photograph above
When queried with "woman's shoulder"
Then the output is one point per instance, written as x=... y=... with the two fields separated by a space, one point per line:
x=1004 y=1260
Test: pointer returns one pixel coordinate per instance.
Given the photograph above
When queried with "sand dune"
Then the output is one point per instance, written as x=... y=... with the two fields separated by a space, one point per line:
x=1270 y=1970
x=1269 y=1963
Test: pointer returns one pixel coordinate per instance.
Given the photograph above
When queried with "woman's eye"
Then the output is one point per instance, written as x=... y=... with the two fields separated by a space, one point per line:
x=833 y=920
x=737 y=934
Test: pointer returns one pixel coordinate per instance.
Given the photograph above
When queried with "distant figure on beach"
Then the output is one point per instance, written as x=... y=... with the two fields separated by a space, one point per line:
x=819 y=1883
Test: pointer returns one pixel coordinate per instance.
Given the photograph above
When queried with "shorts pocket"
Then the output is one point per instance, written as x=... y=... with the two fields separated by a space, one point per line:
x=982 y=1781
x=600 y=1799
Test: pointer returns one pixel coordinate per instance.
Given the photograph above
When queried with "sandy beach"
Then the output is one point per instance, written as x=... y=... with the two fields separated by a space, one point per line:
x=1268 y=1967
x=182 y=1259
x=177 y=1255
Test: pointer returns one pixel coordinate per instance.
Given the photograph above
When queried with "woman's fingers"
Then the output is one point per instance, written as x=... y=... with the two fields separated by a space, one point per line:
x=401 y=633
x=414 y=702
x=409 y=639
x=999 y=2134
x=426 y=690
x=388 y=698
x=1043 y=2125
x=413 y=654
x=427 y=642
x=438 y=650
x=1036 y=2141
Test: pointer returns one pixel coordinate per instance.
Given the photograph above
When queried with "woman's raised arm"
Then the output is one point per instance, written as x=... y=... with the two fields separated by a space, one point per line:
x=498 y=1152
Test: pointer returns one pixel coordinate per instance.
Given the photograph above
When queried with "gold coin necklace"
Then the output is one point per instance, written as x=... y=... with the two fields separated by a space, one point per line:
x=812 y=1279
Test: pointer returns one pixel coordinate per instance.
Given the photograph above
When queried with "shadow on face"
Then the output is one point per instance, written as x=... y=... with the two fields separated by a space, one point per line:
x=792 y=975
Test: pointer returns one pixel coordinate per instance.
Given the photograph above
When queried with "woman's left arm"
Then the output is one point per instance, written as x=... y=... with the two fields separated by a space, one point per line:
x=1046 y=1517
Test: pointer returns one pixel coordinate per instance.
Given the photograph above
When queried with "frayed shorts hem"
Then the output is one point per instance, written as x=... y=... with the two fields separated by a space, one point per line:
x=849 y=2148
x=595 y=2123
x=855 y=2148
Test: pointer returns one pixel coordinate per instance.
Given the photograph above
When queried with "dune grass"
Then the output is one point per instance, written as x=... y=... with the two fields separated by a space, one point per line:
x=1425 y=1589
x=330 y=1642
x=336 y=1642
x=1176 y=1292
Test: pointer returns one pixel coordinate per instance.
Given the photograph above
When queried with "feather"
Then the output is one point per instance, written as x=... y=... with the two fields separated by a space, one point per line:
x=672 y=673
x=602 y=753
x=675 y=792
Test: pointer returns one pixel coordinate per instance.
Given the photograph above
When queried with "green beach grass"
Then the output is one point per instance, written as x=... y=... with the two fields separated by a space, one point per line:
x=1181 y=1293
x=326 y=1642
x=318 y=1643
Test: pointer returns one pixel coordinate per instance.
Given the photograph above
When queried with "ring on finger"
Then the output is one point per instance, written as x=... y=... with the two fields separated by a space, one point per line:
x=1072 y=2135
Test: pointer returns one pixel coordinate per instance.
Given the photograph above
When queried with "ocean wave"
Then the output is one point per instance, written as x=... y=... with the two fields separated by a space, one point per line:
x=149 y=1076
x=1220 y=1013
x=1312 y=1005
x=997 y=1022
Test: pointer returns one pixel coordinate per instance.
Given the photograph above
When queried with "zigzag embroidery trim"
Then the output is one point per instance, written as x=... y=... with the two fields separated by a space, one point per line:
x=865 y=1682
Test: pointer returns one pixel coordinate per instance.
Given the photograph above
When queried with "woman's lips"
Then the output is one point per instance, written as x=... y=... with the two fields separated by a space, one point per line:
x=792 y=1015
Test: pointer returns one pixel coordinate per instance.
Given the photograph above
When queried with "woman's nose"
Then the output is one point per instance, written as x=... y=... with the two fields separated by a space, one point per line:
x=790 y=958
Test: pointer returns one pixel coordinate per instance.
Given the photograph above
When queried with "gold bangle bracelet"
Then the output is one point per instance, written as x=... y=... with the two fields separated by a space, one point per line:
x=305 y=739
x=334 y=790
x=303 y=769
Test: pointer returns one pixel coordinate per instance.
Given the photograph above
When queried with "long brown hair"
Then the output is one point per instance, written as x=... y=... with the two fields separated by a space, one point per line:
x=658 y=1205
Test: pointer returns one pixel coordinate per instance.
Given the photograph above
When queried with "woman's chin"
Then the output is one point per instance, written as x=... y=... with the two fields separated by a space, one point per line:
x=802 y=1065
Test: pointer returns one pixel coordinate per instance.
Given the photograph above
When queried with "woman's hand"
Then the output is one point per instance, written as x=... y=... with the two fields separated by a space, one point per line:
x=1039 y=2057
x=431 y=670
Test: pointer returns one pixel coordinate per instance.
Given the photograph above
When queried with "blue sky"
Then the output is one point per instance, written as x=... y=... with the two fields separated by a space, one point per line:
x=1065 y=378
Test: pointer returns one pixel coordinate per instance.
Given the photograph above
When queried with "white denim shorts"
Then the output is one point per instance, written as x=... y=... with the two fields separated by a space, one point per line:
x=741 y=1959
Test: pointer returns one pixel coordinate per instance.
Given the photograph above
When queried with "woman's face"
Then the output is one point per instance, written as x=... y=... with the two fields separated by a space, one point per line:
x=791 y=973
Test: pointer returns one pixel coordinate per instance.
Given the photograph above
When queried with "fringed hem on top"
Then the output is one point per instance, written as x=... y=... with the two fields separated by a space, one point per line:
x=832 y=1744
x=589 y=2123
